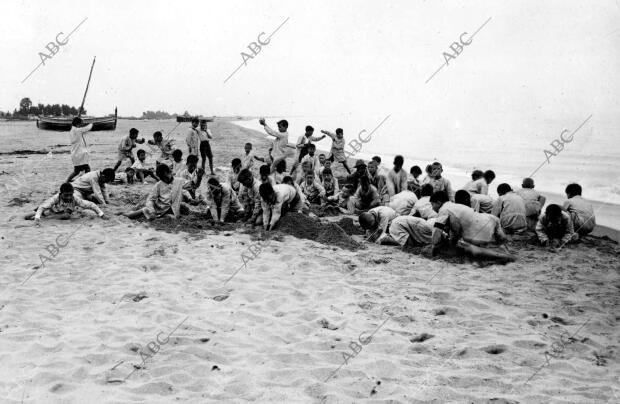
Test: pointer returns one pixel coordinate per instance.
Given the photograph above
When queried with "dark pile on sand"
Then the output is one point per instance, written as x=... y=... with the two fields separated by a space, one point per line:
x=349 y=226
x=301 y=226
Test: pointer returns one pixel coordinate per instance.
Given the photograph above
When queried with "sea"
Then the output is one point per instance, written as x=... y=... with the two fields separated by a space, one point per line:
x=582 y=149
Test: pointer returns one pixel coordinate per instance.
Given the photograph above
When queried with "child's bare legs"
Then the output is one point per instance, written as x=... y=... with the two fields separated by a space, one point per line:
x=346 y=166
x=76 y=172
x=119 y=162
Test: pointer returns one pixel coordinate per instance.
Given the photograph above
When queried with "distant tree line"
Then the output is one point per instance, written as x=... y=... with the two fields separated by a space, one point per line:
x=27 y=108
x=157 y=115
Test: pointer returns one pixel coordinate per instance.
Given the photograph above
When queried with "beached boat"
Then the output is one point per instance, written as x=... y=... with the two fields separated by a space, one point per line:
x=64 y=123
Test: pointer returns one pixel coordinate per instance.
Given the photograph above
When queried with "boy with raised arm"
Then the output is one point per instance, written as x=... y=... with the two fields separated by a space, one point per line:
x=62 y=205
x=303 y=142
x=165 y=147
x=92 y=186
x=337 y=150
x=79 y=151
x=280 y=142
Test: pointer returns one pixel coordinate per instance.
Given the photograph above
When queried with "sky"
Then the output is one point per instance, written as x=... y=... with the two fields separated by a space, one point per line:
x=532 y=58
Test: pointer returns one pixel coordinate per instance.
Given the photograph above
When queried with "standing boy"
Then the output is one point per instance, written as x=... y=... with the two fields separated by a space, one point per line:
x=337 y=150
x=205 y=147
x=580 y=210
x=126 y=146
x=280 y=142
x=192 y=139
x=79 y=150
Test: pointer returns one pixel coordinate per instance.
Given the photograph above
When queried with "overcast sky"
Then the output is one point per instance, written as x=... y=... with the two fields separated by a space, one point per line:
x=330 y=57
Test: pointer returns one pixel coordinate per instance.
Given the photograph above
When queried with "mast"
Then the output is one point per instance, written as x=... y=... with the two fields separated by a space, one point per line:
x=87 y=84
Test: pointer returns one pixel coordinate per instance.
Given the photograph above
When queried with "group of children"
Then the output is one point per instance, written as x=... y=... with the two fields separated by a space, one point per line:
x=393 y=206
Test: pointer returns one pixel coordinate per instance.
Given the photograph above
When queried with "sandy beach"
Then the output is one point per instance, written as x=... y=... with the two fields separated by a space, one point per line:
x=301 y=322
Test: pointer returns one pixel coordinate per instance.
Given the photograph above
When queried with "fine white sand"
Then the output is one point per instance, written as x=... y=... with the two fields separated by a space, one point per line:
x=444 y=332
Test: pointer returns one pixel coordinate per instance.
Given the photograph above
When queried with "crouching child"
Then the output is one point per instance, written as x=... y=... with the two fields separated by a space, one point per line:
x=62 y=205
x=166 y=198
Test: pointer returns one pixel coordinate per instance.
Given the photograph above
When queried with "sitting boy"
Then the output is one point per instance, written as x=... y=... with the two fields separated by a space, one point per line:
x=330 y=183
x=141 y=169
x=165 y=199
x=534 y=202
x=191 y=175
x=341 y=202
x=510 y=208
x=314 y=191
x=62 y=205
x=580 y=210
x=92 y=185
x=413 y=182
x=366 y=197
x=555 y=227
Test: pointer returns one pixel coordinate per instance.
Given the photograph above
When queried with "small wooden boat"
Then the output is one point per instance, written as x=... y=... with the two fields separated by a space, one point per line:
x=63 y=124
x=185 y=118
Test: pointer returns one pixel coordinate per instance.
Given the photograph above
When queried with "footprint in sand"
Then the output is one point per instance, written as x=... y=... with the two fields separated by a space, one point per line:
x=326 y=324
x=495 y=349
x=422 y=337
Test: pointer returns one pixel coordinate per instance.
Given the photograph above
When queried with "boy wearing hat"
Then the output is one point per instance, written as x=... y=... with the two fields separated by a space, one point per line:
x=360 y=171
